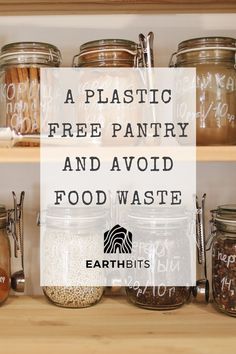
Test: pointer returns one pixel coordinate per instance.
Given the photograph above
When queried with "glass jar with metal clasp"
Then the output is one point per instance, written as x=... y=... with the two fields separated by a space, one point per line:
x=108 y=60
x=164 y=227
x=116 y=53
x=11 y=224
x=20 y=65
x=223 y=239
x=67 y=234
x=214 y=60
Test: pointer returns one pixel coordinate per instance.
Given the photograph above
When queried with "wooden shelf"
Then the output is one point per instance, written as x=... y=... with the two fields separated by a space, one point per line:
x=19 y=7
x=204 y=154
x=216 y=153
x=20 y=155
x=32 y=325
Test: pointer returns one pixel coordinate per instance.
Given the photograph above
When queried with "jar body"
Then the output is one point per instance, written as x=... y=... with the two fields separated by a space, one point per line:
x=73 y=296
x=224 y=271
x=159 y=298
x=4 y=265
x=64 y=241
x=214 y=60
x=160 y=230
x=109 y=53
x=20 y=84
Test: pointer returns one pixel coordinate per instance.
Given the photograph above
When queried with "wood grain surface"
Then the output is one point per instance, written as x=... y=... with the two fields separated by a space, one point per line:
x=203 y=154
x=33 y=326
x=114 y=6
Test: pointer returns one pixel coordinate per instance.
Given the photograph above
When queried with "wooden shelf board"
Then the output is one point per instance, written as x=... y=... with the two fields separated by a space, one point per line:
x=216 y=153
x=20 y=155
x=32 y=325
x=19 y=7
x=204 y=154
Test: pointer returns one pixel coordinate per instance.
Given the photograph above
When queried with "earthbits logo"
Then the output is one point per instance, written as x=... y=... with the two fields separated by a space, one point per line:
x=118 y=240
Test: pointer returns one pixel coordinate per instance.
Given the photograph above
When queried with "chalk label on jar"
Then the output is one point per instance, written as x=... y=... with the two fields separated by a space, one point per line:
x=226 y=258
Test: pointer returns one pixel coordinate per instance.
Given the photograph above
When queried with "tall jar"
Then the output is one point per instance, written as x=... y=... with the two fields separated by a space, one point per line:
x=4 y=256
x=20 y=65
x=224 y=259
x=104 y=54
x=151 y=222
x=214 y=60
x=68 y=233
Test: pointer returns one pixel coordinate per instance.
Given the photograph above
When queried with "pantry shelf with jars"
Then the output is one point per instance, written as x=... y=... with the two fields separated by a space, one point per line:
x=117 y=324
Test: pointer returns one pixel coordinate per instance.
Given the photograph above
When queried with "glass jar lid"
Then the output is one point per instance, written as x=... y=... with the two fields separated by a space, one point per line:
x=23 y=53
x=157 y=218
x=107 y=50
x=204 y=49
x=226 y=213
x=82 y=217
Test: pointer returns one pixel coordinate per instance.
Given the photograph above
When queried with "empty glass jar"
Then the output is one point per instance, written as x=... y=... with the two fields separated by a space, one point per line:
x=224 y=258
x=20 y=65
x=214 y=60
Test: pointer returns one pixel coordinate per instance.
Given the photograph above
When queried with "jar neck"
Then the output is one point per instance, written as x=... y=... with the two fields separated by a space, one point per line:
x=207 y=50
x=108 y=53
x=30 y=53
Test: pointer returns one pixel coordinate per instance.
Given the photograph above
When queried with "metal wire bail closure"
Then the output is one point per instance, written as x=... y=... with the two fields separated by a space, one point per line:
x=135 y=54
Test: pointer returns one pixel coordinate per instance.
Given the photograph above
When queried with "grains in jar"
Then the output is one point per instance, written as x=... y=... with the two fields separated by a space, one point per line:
x=214 y=60
x=224 y=259
x=20 y=65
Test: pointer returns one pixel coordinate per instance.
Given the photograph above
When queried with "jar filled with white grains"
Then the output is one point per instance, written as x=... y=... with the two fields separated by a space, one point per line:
x=68 y=234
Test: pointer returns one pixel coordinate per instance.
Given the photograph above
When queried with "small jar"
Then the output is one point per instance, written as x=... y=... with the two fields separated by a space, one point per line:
x=65 y=229
x=214 y=60
x=20 y=65
x=224 y=259
x=4 y=256
x=107 y=53
x=152 y=221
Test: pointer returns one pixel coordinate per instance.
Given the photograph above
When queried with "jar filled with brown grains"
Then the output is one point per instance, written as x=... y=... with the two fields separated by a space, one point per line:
x=4 y=256
x=224 y=258
x=214 y=60
x=20 y=65
x=152 y=222
x=70 y=234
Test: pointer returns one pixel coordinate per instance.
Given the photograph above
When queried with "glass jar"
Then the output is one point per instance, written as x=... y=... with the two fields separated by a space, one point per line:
x=152 y=221
x=20 y=65
x=107 y=53
x=67 y=233
x=4 y=256
x=214 y=60
x=224 y=258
